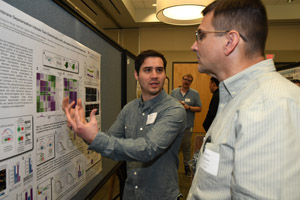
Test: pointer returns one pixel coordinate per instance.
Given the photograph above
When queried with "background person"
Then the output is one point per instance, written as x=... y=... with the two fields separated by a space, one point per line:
x=214 y=103
x=251 y=150
x=147 y=133
x=190 y=99
x=296 y=81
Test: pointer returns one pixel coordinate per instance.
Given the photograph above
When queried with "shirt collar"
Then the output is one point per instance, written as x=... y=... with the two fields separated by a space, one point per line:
x=233 y=85
x=152 y=102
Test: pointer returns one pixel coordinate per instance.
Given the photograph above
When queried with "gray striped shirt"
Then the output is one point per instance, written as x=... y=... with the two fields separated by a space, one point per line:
x=254 y=152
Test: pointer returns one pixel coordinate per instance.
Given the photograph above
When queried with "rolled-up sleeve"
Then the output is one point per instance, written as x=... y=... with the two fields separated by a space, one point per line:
x=115 y=144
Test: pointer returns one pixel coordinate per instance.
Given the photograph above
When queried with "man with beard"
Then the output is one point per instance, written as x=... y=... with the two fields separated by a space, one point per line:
x=147 y=133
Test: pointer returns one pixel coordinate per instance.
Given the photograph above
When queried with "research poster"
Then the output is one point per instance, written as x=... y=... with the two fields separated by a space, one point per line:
x=293 y=73
x=40 y=157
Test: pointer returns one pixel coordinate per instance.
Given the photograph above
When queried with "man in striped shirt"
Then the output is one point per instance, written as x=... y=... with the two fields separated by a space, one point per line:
x=251 y=150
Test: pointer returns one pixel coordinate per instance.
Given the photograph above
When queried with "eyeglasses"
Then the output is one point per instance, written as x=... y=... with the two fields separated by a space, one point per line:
x=189 y=80
x=201 y=34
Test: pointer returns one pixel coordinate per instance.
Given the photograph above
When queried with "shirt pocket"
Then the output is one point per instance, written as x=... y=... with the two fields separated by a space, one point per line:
x=130 y=131
x=209 y=166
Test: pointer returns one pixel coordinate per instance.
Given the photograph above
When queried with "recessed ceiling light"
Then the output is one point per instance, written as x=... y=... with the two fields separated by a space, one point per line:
x=187 y=12
x=178 y=12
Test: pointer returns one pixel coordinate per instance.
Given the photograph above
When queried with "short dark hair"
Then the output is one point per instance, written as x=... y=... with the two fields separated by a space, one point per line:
x=213 y=79
x=248 y=17
x=145 y=54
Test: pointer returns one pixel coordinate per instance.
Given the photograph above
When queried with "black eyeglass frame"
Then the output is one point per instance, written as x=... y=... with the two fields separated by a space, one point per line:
x=198 y=33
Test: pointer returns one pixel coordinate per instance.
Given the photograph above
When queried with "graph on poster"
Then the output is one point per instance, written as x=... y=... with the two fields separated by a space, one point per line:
x=41 y=158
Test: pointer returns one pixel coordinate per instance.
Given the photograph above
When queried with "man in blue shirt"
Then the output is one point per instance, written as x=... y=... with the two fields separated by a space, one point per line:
x=147 y=133
x=190 y=99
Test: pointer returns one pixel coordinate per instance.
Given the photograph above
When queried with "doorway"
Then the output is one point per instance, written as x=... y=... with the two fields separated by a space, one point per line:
x=200 y=83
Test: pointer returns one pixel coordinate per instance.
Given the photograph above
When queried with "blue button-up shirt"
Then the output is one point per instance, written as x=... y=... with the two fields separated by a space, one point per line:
x=191 y=98
x=147 y=135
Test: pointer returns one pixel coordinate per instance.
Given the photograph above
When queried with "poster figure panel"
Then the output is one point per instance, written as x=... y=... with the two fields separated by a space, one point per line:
x=16 y=136
x=293 y=73
x=47 y=94
x=41 y=158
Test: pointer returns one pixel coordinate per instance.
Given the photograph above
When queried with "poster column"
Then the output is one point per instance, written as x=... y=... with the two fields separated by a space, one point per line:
x=41 y=158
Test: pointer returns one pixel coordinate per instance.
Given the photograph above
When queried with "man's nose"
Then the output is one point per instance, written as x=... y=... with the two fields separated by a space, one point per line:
x=154 y=74
x=194 y=47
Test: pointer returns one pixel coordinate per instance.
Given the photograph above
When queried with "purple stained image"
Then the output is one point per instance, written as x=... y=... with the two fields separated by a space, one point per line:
x=46 y=92
x=70 y=88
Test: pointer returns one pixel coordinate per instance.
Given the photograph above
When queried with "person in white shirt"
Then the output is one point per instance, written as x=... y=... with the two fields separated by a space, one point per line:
x=251 y=150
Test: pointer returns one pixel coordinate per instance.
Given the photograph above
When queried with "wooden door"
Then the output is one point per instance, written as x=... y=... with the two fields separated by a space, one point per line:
x=200 y=84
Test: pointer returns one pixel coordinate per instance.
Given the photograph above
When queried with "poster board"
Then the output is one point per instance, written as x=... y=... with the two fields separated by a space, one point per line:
x=293 y=73
x=41 y=158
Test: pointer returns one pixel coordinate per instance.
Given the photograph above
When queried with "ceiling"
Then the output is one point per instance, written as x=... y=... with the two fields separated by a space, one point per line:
x=126 y=14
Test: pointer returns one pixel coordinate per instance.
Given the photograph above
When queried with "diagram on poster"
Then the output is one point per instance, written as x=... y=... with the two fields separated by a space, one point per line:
x=45 y=148
x=60 y=62
x=16 y=136
x=44 y=190
x=41 y=158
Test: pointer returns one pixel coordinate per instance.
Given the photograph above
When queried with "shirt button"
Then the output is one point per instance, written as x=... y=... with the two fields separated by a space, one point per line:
x=143 y=114
x=134 y=173
x=136 y=187
x=141 y=129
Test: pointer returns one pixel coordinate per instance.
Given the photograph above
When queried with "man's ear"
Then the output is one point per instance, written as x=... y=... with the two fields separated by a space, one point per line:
x=232 y=40
x=136 y=76
x=213 y=84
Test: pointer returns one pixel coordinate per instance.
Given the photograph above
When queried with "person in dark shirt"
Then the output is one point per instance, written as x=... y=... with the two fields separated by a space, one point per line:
x=296 y=81
x=214 y=103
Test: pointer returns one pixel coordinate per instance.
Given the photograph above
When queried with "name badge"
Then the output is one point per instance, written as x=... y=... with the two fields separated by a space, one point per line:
x=210 y=162
x=151 y=118
x=187 y=100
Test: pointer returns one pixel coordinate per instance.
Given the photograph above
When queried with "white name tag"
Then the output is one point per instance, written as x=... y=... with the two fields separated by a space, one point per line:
x=187 y=100
x=151 y=118
x=210 y=162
